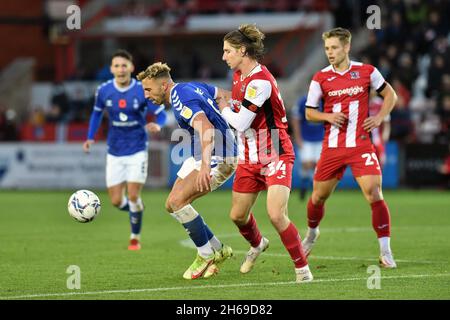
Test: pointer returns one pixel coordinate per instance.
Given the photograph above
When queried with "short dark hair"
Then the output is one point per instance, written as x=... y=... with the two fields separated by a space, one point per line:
x=123 y=54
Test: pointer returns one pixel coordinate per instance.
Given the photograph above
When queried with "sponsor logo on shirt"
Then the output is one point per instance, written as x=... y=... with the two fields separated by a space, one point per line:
x=349 y=91
x=198 y=91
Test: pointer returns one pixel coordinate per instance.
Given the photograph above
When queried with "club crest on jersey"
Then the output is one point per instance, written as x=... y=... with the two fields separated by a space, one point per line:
x=186 y=113
x=123 y=116
x=108 y=103
x=243 y=88
x=122 y=103
x=354 y=74
x=251 y=92
x=135 y=104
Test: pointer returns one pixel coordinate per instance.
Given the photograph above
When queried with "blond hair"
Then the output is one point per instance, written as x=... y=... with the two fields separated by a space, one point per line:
x=248 y=36
x=342 y=34
x=157 y=70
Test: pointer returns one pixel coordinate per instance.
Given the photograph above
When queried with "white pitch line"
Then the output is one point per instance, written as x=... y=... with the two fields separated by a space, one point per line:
x=189 y=244
x=220 y=286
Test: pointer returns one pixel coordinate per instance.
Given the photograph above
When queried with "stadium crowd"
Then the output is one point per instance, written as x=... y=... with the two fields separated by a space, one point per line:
x=411 y=51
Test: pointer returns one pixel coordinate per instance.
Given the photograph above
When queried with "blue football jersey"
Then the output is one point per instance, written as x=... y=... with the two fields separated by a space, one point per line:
x=310 y=131
x=189 y=99
x=127 y=109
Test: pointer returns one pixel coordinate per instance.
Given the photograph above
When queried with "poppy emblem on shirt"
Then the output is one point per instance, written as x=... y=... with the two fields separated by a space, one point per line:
x=122 y=103
x=354 y=75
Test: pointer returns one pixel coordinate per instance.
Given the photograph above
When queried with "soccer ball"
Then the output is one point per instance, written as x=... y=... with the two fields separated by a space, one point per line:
x=84 y=206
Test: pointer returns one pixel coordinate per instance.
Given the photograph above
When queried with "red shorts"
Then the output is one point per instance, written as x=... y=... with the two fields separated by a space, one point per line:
x=332 y=163
x=252 y=178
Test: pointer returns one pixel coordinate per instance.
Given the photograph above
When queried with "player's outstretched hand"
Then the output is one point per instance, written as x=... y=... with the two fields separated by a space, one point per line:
x=338 y=119
x=222 y=103
x=153 y=127
x=371 y=123
x=204 y=179
x=87 y=145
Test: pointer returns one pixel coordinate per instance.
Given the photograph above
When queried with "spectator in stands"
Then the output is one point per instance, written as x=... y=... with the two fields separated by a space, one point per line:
x=400 y=116
x=435 y=73
x=8 y=129
x=406 y=70
x=416 y=12
x=443 y=110
x=59 y=109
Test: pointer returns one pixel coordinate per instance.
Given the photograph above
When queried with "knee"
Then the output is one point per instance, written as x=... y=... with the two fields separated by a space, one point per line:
x=238 y=218
x=279 y=220
x=174 y=203
x=133 y=197
x=116 y=201
x=318 y=198
x=374 y=194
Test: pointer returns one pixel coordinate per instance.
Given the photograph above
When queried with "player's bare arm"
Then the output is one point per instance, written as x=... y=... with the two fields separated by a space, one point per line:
x=205 y=129
x=389 y=100
x=296 y=128
x=87 y=145
x=336 y=118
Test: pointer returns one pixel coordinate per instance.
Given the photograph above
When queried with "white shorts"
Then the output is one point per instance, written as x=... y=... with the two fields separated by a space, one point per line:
x=221 y=169
x=310 y=151
x=132 y=168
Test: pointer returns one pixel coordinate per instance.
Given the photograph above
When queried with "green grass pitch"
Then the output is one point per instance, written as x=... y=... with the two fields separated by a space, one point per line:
x=39 y=241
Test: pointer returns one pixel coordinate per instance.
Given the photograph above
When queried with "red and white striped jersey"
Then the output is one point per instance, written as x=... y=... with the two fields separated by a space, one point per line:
x=267 y=136
x=346 y=92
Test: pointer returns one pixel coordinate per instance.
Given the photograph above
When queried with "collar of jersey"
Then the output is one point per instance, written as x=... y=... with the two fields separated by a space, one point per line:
x=132 y=83
x=255 y=69
x=345 y=71
x=170 y=93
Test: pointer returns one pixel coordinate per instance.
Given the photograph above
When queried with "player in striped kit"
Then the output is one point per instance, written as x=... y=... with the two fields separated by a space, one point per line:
x=344 y=87
x=127 y=158
x=266 y=154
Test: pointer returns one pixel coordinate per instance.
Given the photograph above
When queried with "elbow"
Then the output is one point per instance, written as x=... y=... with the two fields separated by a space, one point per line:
x=308 y=116
x=394 y=99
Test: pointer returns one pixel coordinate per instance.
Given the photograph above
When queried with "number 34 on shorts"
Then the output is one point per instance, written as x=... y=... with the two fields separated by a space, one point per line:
x=277 y=168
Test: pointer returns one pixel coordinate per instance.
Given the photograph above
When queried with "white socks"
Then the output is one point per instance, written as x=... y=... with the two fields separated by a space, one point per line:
x=385 y=244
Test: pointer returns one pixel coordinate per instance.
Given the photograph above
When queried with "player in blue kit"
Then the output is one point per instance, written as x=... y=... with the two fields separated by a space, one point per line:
x=213 y=159
x=308 y=137
x=127 y=157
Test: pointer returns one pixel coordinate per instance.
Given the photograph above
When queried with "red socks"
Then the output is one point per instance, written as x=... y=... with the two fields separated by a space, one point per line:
x=292 y=242
x=315 y=214
x=381 y=220
x=251 y=232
